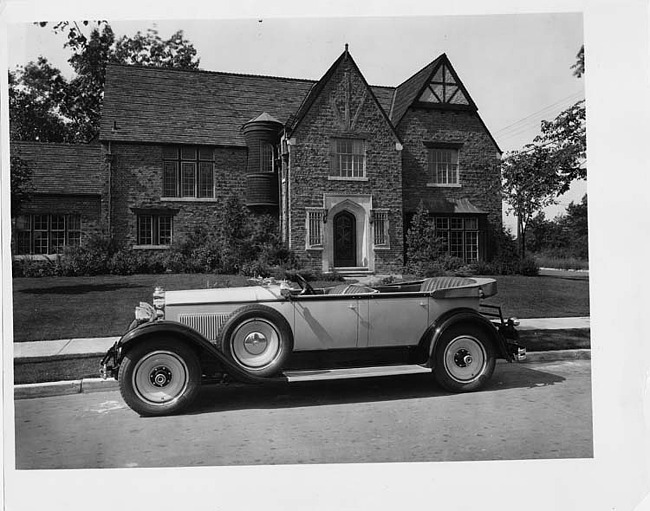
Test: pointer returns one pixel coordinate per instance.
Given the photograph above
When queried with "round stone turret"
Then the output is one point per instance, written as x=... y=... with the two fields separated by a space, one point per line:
x=262 y=136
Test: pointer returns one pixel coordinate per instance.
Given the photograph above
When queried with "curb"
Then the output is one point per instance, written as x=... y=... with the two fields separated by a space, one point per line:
x=558 y=355
x=63 y=388
x=88 y=385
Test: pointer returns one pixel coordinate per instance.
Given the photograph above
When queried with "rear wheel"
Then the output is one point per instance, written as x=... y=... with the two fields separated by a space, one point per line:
x=464 y=358
x=159 y=377
x=258 y=339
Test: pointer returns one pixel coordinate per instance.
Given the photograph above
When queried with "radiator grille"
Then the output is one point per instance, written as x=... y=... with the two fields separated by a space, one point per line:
x=207 y=324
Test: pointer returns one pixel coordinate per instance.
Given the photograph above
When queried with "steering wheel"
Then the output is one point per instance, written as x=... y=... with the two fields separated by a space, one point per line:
x=304 y=285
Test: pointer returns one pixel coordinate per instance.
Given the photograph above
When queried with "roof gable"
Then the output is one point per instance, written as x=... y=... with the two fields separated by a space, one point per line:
x=65 y=169
x=437 y=85
x=348 y=108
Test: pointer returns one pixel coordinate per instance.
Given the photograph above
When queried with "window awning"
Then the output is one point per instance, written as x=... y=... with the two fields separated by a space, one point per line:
x=453 y=206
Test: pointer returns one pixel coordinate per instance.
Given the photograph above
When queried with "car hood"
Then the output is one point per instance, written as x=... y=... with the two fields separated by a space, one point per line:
x=223 y=295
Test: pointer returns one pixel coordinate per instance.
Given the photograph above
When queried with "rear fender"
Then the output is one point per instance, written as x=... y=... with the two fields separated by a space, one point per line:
x=189 y=336
x=465 y=316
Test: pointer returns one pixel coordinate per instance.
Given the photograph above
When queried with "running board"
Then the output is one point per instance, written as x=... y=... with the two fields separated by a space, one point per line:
x=355 y=372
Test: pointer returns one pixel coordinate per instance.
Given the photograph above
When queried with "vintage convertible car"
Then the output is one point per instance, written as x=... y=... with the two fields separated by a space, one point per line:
x=274 y=333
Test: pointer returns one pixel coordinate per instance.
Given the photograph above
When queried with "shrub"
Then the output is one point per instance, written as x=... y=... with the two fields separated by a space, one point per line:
x=92 y=257
x=528 y=267
x=240 y=243
x=423 y=247
x=30 y=267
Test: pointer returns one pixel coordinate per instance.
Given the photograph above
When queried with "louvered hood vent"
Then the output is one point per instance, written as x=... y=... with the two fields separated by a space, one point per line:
x=206 y=324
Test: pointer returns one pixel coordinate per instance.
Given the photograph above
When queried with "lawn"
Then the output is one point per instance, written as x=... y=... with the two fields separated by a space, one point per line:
x=67 y=307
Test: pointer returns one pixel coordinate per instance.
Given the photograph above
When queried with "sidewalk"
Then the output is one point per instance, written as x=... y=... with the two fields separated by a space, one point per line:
x=68 y=348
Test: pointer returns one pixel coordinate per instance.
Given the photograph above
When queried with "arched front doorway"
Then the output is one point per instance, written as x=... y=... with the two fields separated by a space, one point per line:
x=344 y=226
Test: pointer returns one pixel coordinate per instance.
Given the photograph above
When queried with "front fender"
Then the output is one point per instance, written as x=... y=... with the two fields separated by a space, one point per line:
x=188 y=335
x=465 y=316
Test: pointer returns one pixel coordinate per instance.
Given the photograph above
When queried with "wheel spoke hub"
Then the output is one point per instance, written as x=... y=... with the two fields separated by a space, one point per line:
x=465 y=359
x=255 y=343
x=160 y=377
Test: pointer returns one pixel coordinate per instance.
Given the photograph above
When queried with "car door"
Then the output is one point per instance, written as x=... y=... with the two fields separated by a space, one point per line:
x=394 y=320
x=325 y=322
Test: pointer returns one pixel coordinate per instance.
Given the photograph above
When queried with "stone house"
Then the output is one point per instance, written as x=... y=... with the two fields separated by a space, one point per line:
x=341 y=164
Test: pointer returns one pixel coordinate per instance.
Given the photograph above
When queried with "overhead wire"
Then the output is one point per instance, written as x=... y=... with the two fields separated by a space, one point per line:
x=534 y=119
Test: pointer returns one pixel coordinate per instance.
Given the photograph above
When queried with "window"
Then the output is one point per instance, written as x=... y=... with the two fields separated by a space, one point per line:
x=459 y=237
x=314 y=228
x=443 y=166
x=154 y=229
x=266 y=158
x=380 y=223
x=188 y=171
x=47 y=234
x=348 y=158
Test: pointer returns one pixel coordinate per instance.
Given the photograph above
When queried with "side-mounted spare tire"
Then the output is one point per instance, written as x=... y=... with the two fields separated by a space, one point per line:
x=256 y=338
x=464 y=358
x=159 y=376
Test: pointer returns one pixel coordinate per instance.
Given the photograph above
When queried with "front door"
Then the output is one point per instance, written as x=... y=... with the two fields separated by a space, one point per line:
x=345 y=240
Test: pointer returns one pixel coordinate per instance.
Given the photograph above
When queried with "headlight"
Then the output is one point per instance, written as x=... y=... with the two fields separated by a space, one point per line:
x=159 y=302
x=144 y=313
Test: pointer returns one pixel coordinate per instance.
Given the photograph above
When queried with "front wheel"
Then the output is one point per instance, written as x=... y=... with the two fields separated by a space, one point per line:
x=464 y=358
x=159 y=377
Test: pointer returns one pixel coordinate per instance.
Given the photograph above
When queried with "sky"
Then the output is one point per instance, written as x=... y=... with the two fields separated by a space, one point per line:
x=517 y=68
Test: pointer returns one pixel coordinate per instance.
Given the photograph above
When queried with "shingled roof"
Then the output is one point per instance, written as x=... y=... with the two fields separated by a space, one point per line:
x=407 y=92
x=148 y=104
x=63 y=169
x=162 y=105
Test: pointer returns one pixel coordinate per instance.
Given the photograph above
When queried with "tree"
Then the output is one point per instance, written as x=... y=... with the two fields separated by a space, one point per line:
x=564 y=236
x=21 y=183
x=579 y=66
x=535 y=176
x=529 y=184
x=565 y=139
x=36 y=95
x=46 y=106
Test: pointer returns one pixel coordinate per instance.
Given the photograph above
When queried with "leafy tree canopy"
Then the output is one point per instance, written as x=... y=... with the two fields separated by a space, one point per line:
x=565 y=140
x=21 y=183
x=46 y=106
x=533 y=177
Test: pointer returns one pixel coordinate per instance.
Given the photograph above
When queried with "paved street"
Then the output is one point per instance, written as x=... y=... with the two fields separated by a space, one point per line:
x=540 y=410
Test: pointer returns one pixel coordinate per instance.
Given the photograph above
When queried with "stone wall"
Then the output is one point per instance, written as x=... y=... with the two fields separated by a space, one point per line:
x=310 y=162
x=478 y=160
x=137 y=183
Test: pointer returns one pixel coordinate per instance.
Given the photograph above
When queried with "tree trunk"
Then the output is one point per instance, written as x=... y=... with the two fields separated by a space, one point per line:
x=521 y=237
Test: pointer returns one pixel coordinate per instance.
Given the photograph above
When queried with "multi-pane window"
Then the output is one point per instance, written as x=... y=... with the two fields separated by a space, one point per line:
x=154 y=229
x=459 y=237
x=443 y=166
x=47 y=234
x=348 y=158
x=188 y=171
x=380 y=223
x=314 y=228
x=266 y=157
